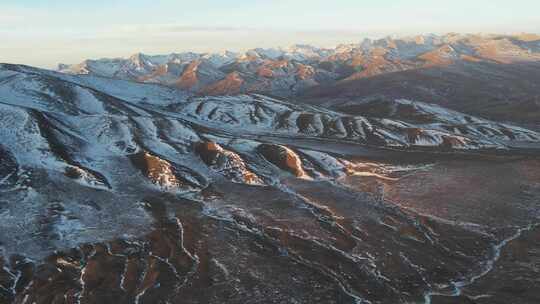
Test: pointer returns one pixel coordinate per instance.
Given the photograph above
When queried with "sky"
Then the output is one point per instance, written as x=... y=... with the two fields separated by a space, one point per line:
x=47 y=32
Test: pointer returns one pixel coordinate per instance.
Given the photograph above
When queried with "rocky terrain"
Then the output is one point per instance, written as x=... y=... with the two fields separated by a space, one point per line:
x=114 y=191
x=493 y=76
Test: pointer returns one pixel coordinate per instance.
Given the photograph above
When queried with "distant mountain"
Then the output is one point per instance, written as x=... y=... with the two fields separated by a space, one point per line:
x=277 y=71
x=468 y=73
x=287 y=71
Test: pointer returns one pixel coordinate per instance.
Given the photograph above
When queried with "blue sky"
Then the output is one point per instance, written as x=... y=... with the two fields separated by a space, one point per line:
x=45 y=32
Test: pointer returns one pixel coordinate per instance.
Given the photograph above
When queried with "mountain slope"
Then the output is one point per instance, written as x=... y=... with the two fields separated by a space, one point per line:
x=497 y=91
x=117 y=191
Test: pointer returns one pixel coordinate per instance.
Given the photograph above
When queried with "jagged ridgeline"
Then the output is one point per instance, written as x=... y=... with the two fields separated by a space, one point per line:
x=289 y=71
x=117 y=191
x=492 y=76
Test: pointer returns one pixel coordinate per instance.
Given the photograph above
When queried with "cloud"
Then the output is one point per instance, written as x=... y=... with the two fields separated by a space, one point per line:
x=174 y=28
x=14 y=17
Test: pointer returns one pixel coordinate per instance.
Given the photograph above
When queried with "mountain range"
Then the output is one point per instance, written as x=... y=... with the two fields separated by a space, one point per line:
x=464 y=72
x=383 y=172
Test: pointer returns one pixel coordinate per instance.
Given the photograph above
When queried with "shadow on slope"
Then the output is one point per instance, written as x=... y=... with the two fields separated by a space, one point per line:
x=496 y=91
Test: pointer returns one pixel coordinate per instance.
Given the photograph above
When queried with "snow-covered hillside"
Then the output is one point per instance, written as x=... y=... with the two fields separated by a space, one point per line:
x=112 y=190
